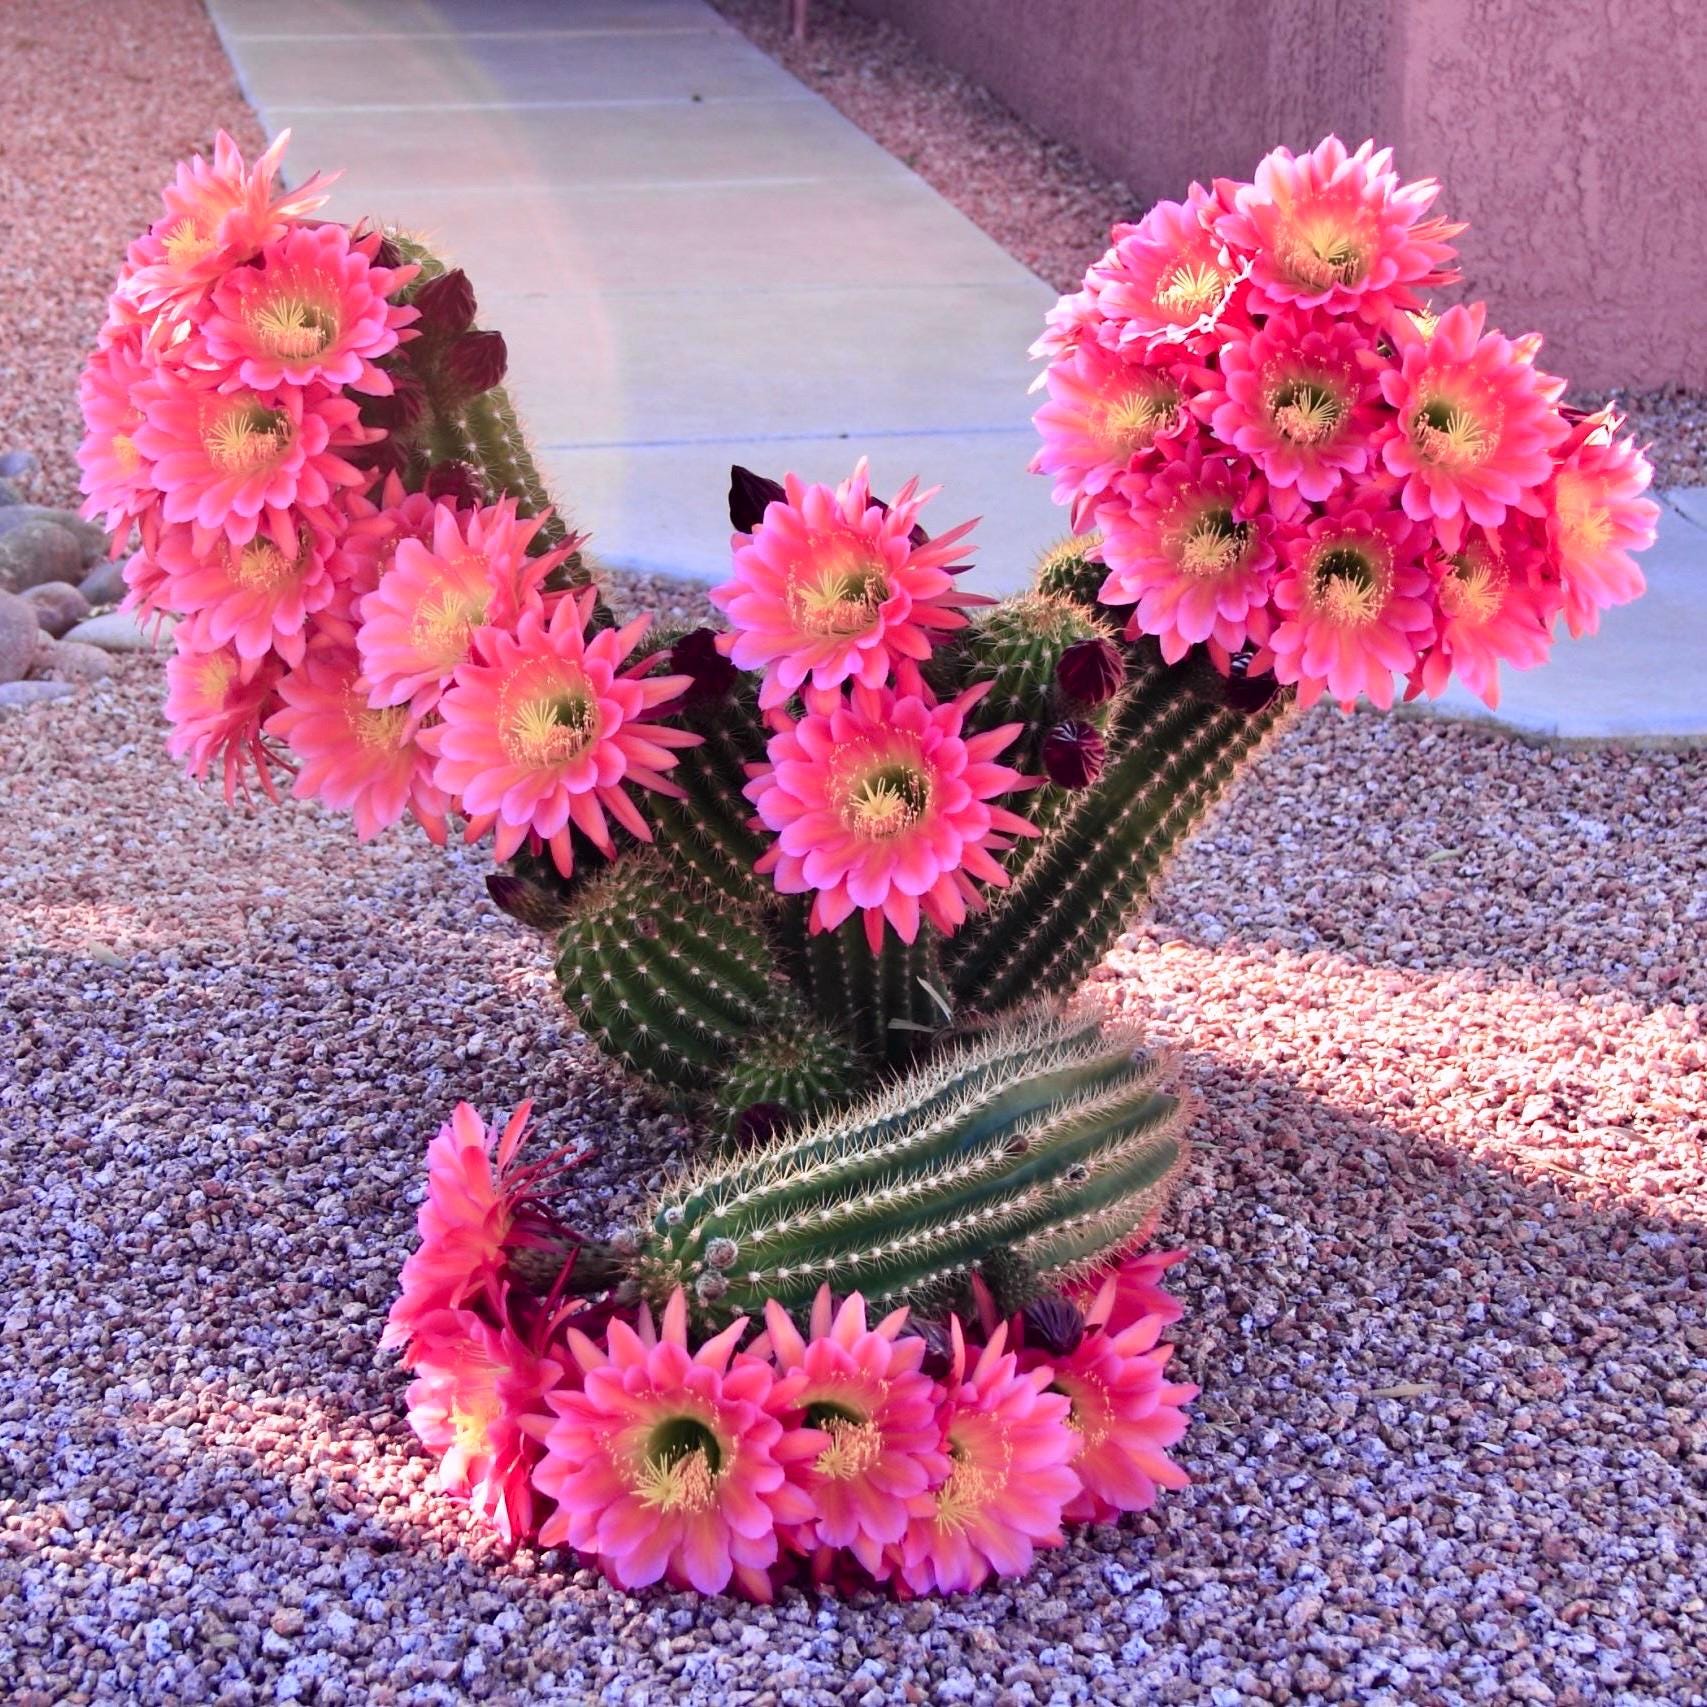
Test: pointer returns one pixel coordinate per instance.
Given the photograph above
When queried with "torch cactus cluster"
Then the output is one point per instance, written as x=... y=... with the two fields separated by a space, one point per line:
x=827 y=875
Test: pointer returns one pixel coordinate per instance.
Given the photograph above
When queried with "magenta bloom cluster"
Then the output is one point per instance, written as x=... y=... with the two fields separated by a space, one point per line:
x=390 y=651
x=855 y=1450
x=1292 y=459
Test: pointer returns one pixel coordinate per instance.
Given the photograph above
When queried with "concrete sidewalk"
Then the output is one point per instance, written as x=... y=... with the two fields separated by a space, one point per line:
x=695 y=260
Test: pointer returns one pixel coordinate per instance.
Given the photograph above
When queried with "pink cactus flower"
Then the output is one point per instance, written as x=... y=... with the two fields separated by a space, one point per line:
x=217 y=703
x=1338 y=231
x=217 y=216
x=1493 y=607
x=1169 y=276
x=546 y=728
x=311 y=308
x=863 y=1388
x=1104 y=411
x=669 y=1462
x=419 y=622
x=1192 y=547
x=883 y=805
x=243 y=462
x=1295 y=397
x=1354 y=605
x=1124 y=1412
x=358 y=760
x=1137 y=1290
x=254 y=596
x=476 y=1387
x=832 y=587
x=466 y=1222
x=1597 y=515
x=1010 y=1447
x=1477 y=422
x=117 y=481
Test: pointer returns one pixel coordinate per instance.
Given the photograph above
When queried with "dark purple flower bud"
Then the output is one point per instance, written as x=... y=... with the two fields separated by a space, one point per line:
x=1054 y=1324
x=386 y=455
x=388 y=255
x=748 y=495
x=532 y=903
x=939 y=1346
x=1090 y=671
x=1074 y=754
x=713 y=675
x=401 y=411
x=476 y=362
x=459 y=482
x=446 y=304
x=1244 y=691
x=759 y=1122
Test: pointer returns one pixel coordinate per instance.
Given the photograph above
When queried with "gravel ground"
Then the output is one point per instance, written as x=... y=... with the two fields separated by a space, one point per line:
x=101 y=98
x=1043 y=201
x=1446 y=1302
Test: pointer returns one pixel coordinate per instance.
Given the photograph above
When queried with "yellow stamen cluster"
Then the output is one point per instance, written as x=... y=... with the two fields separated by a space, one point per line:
x=125 y=453
x=854 y=1447
x=472 y=1417
x=1450 y=435
x=186 y=243
x=1321 y=252
x=966 y=1493
x=441 y=626
x=1349 y=582
x=1090 y=1411
x=247 y=438
x=1123 y=426
x=1193 y=287
x=1307 y=411
x=885 y=799
x=261 y=566
x=834 y=594
x=1584 y=520
x=548 y=729
x=1475 y=583
x=1214 y=544
x=381 y=731
x=291 y=327
x=671 y=1480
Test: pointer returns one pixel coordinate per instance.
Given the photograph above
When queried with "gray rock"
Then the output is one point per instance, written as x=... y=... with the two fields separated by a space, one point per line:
x=91 y=538
x=58 y=606
x=120 y=631
x=9 y=494
x=19 y=632
x=14 y=695
x=39 y=551
x=70 y=661
x=104 y=584
x=18 y=465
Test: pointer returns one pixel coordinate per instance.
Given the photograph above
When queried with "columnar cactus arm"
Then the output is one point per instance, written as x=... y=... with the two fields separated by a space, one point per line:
x=1038 y=1128
x=883 y=1000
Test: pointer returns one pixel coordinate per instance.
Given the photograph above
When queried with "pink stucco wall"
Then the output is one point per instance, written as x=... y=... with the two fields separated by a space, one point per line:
x=1571 y=133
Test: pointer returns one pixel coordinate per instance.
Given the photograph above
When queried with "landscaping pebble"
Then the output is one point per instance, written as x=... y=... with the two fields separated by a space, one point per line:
x=1441 y=997
x=122 y=631
x=15 y=695
x=18 y=465
x=104 y=584
x=58 y=606
x=37 y=552
x=19 y=633
x=9 y=494
x=92 y=541
x=71 y=661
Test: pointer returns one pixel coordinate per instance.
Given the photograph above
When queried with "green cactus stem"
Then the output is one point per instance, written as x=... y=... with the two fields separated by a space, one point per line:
x=1026 y=1138
x=1070 y=569
x=803 y=1069
x=890 y=1002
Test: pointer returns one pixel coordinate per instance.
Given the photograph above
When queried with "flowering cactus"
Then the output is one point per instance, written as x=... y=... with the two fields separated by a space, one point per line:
x=825 y=875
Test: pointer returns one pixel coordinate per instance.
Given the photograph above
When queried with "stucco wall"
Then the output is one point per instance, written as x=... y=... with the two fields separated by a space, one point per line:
x=1571 y=133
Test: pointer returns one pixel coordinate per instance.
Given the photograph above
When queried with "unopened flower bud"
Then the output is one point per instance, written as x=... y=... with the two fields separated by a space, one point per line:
x=758 y=1123
x=446 y=304
x=696 y=655
x=1074 y=754
x=477 y=361
x=749 y=493
x=388 y=255
x=458 y=483
x=1054 y=1324
x=1091 y=671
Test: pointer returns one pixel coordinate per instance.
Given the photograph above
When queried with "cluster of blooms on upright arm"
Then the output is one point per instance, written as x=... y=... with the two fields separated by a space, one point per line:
x=879 y=801
x=928 y=1457
x=1292 y=460
x=396 y=651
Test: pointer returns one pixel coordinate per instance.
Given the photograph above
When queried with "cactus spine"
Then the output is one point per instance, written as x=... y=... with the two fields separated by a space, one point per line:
x=1034 y=1133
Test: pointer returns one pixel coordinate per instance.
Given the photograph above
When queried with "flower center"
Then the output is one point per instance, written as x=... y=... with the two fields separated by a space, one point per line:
x=1191 y=287
x=246 y=439
x=216 y=676
x=1129 y=424
x=1089 y=1416
x=292 y=327
x=887 y=799
x=856 y=1442
x=1306 y=411
x=441 y=626
x=260 y=566
x=1214 y=543
x=378 y=731
x=1474 y=588
x=1585 y=523
x=552 y=729
x=1320 y=253
x=1348 y=584
x=837 y=597
x=1448 y=435
x=962 y=1499
x=679 y=1469
x=125 y=453
x=472 y=1417
x=186 y=243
